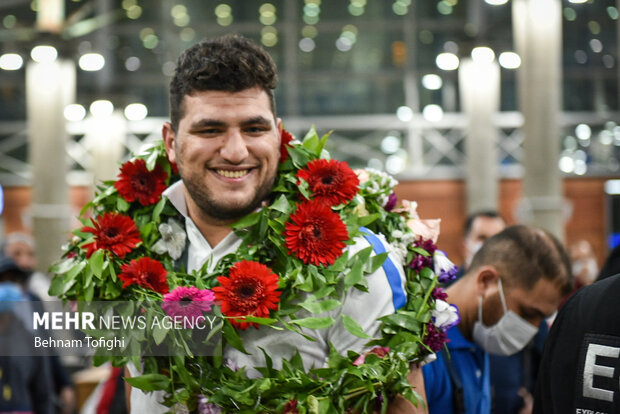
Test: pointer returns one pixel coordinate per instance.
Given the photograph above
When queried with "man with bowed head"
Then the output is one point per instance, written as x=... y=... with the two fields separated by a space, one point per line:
x=224 y=137
x=516 y=279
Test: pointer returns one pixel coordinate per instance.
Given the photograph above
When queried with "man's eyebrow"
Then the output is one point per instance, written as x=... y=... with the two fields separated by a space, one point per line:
x=260 y=120
x=204 y=123
x=534 y=311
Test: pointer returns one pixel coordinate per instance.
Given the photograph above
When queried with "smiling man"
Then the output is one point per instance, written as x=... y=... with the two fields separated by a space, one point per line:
x=515 y=280
x=224 y=137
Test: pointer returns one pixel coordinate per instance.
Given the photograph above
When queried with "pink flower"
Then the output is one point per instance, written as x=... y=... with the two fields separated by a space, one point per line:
x=427 y=229
x=362 y=175
x=379 y=351
x=188 y=302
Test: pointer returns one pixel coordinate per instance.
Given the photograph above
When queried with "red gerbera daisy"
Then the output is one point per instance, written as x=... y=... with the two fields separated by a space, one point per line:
x=113 y=232
x=145 y=272
x=331 y=181
x=249 y=289
x=316 y=234
x=174 y=167
x=136 y=182
x=285 y=140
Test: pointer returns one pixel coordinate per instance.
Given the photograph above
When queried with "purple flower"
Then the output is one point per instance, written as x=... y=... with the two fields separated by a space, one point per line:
x=439 y=293
x=205 y=407
x=391 y=202
x=444 y=268
x=420 y=262
x=231 y=364
x=188 y=302
x=427 y=245
x=435 y=338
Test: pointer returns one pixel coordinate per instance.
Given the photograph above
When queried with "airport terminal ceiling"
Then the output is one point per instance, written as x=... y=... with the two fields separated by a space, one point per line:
x=361 y=66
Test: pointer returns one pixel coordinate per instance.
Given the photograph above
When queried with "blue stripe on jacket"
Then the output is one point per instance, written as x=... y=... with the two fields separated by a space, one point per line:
x=399 y=298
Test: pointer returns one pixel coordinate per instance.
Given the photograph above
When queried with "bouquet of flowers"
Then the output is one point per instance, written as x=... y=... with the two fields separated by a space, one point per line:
x=292 y=262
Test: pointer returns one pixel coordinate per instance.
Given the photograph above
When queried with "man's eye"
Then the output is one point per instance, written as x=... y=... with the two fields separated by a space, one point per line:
x=256 y=129
x=529 y=313
x=209 y=131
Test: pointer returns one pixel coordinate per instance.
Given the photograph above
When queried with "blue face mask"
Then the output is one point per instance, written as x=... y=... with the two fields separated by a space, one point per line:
x=508 y=336
x=10 y=294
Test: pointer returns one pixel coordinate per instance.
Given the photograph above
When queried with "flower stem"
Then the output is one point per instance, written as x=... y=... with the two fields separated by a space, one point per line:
x=429 y=291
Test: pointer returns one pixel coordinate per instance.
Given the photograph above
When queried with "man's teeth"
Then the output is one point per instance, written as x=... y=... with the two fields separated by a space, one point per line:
x=232 y=174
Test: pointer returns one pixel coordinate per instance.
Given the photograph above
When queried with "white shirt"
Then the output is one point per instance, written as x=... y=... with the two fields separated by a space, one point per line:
x=364 y=307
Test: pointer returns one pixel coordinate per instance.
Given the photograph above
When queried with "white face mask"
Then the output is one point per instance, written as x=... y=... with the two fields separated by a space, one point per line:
x=508 y=336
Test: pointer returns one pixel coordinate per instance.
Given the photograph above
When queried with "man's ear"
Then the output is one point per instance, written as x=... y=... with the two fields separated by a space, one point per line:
x=486 y=280
x=279 y=127
x=169 y=137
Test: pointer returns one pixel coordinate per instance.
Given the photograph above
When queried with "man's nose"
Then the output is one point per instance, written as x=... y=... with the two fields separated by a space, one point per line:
x=234 y=148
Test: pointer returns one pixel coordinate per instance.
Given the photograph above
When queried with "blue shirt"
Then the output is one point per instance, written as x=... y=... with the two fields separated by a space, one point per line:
x=471 y=365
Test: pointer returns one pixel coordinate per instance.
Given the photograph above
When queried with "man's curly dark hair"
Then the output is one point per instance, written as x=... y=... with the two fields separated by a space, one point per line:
x=229 y=63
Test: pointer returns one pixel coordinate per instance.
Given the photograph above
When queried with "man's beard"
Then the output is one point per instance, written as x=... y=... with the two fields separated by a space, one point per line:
x=221 y=211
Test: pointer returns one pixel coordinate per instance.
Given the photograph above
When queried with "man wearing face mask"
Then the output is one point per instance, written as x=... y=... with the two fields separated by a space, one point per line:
x=516 y=279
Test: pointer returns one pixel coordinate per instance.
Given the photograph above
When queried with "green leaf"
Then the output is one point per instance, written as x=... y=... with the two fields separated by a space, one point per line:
x=313 y=306
x=354 y=276
x=282 y=205
x=89 y=293
x=57 y=286
x=299 y=157
x=122 y=205
x=247 y=221
x=158 y=209
x=106 y=193
x=364 y=254
x=149 y=382
x=297 y=361
x=375 y=262
x=366 y=220
x=151 y=160
x=159 y=334
x=62 y=266
x=232 y=337
x=96 y=262
x=402 y=320
x=311 y=142
x=77 y=268
x=420 y=250
x=262 y=321
x=314 y=322
x=353 y=327
x=313 y=404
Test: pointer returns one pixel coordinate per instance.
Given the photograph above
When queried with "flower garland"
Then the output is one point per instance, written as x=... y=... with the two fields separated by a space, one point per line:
x=292 y=258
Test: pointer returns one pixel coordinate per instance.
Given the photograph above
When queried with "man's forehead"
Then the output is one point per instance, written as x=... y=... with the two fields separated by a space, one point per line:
x=545 y=296
x=249 y=103
x=484 y=224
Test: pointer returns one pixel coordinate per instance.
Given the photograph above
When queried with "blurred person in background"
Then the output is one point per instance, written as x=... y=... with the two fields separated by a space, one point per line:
x=585 y=268
x=513 y=377
x=25 y=380
x=479 y=227
x=515 y=280
x=19 y=248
